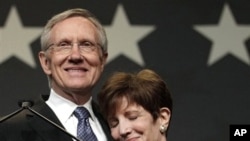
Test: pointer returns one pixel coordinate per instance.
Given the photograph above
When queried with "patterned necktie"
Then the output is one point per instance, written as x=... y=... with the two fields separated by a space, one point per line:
x=84 y=131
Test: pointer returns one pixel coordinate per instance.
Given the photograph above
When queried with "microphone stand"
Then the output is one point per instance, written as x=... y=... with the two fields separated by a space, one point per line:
x=10 y=115
x=20 y=104
x=27 y=105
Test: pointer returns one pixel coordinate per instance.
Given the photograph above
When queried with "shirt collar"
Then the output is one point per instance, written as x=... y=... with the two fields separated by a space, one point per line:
x=64 y=108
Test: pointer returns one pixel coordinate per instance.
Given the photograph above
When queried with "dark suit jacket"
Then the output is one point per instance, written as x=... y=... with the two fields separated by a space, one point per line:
x=26 y=126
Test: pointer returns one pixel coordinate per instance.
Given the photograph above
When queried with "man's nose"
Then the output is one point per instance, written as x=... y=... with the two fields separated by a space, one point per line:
x=75 y=49
x=75 y=54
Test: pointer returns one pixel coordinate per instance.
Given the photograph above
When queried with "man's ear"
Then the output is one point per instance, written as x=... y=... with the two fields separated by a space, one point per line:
x=45 y=64
x=104 y=60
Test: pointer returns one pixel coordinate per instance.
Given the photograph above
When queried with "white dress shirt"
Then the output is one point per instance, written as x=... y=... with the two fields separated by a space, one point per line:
x=64 y=109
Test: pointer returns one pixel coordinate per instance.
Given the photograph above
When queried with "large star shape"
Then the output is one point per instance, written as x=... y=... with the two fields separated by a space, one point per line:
x=227 y=37
x=124 y=38
x=15 y=40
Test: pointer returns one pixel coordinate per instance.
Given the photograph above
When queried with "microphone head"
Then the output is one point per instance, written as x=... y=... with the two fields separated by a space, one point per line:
x=25 y=103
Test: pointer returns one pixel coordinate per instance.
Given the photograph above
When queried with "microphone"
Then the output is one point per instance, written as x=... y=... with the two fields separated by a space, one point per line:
x=27 y=104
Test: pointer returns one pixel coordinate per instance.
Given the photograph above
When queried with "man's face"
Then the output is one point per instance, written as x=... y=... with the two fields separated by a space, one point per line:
x=74 y=70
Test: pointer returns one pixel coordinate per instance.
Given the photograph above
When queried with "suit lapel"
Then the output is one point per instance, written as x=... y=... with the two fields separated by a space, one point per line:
x=48 y=132
x=102 y=121
x=43 y=128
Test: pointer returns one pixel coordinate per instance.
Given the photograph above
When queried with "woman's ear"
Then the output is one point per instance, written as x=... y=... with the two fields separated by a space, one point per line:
x=165 y=115
x=45 y=64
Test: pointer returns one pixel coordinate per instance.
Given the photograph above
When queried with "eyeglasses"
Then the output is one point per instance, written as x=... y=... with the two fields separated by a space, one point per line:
x=66 y=47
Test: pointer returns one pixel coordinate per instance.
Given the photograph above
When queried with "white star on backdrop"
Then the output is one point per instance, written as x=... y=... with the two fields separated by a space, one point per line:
x=124 y=38
x=227 y=37
x=15 y=40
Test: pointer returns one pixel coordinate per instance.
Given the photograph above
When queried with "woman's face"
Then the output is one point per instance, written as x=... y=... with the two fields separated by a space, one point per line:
x=133 y=123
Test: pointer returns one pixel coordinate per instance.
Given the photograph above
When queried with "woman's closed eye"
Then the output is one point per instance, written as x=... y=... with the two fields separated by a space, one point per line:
x=113 y=123
x=132 y=117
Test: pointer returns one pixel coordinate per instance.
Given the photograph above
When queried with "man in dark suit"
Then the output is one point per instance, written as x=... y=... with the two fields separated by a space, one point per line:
x=73 y=54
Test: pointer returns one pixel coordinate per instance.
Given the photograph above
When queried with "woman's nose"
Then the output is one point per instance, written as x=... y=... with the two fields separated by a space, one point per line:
x=125 y=129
